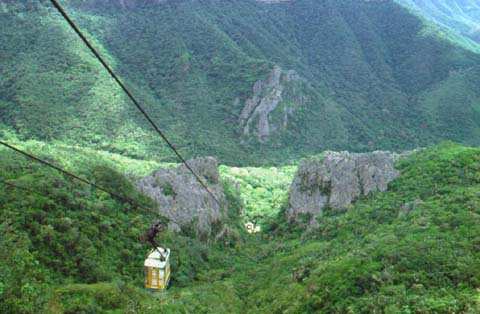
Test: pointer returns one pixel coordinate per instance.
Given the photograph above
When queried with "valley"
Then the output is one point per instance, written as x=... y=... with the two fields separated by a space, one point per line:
x=376 y=255
x=331 y=156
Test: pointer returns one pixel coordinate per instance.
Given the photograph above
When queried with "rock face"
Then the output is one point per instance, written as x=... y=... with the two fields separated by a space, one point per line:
x=337 y=180
x=183 y=200
x=276 y=94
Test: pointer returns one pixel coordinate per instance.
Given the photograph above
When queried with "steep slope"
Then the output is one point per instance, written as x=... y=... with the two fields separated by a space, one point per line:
x=248 y=81
x=65 y=242
x=460 y=15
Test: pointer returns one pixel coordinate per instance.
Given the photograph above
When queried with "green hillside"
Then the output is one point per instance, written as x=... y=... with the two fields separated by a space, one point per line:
x=462 y=16
x=259 y=85
x=414 y=249
x=359 y=83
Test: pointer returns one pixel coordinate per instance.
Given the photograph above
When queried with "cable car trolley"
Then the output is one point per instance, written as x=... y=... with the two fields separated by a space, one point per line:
x=157 y=269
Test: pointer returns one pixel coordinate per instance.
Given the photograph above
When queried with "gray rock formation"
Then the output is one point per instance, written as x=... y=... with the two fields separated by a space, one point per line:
x=337 y=180
x=183 y=200
x=268 y=96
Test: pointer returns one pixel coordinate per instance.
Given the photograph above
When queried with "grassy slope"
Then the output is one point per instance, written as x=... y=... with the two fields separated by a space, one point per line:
x=412 y=249
x=373 y=85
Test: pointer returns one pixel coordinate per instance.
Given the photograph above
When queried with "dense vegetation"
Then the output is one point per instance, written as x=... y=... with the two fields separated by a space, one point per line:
x=413 y=249
x=264 y=190
x=65 y=242
x=364 y=84
x=73 y=234
x=369 y=84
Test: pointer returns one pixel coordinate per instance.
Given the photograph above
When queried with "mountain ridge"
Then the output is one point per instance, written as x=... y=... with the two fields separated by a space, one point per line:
x=367 y=86
x=461 y=16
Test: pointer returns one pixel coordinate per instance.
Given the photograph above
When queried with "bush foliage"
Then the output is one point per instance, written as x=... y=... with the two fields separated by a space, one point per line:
x=413 y=249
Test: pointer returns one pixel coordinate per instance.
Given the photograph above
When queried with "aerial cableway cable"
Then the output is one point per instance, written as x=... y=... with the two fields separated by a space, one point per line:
x=97 y=55
x=73 y=176
x=43 y=194
x=22 y=188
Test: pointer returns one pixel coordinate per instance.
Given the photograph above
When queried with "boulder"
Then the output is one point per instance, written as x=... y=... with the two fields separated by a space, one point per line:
x=336 y=180
x=182 y=199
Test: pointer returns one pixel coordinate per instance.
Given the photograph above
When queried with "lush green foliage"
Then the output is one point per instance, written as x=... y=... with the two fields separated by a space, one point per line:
x=261 y=191
x=369 y=84
x=413 y=249
x=264 y=190
x=68 y=228
x=75 y=234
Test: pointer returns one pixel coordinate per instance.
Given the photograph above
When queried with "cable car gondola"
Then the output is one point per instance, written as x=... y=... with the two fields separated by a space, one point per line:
x=157 y=269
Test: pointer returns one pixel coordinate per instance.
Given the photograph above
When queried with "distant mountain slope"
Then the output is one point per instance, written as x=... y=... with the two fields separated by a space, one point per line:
x=461 y=15
x=247 y=81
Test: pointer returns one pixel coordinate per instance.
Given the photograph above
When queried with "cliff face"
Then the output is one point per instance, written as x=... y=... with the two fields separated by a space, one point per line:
x=183 y=200
x=337 y=180
x=272 y=102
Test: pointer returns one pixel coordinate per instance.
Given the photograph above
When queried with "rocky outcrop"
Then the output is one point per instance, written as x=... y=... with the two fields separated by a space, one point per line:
x=338 y=179
x=183 y=200
x=275 y=94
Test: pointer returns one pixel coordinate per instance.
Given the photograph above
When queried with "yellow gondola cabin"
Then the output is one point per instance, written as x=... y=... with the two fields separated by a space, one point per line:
x=157 y=269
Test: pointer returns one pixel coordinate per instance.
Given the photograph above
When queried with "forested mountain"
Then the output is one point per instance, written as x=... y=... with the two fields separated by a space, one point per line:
x=248 y=81
x=460 y=15
x=270 y=84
